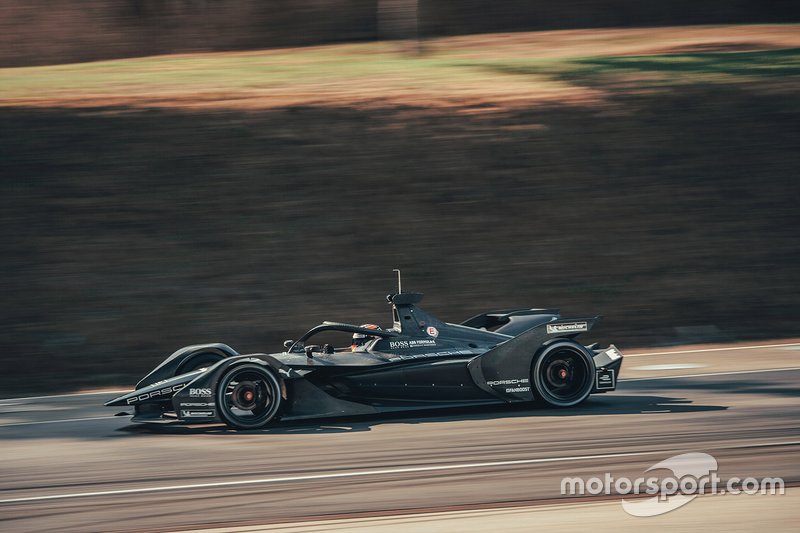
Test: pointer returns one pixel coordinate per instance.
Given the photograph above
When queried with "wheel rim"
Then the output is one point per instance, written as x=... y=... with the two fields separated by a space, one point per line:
x=249 y=398
x=564 y=375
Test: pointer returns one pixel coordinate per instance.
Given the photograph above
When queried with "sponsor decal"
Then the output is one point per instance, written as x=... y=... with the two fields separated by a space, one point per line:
x=196 y=414
x=197 y=404
x=432 y=331
x=413 y=343
x=404 y=357
x=605 y=379
x=567 y=327
x=166 y=391
x=285 y=372
x=508 y=382
x=519 y=382
x=199 y=392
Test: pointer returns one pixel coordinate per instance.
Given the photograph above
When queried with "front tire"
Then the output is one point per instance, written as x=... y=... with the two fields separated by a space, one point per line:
x=248 y=397
x=563 y=375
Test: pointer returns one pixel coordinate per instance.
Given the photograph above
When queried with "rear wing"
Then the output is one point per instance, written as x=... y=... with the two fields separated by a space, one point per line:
x=497 y=318
x=512 y=321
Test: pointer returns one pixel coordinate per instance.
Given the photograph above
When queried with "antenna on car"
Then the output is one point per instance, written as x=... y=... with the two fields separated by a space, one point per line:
x=399 y=282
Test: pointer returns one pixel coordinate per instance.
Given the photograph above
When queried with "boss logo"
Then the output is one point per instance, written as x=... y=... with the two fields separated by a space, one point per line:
x=199 y=392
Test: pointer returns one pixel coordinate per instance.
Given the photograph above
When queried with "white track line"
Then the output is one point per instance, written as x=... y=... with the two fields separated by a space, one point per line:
x=313 y=477
x=34 y=423
x=364 y=473
x=755 y=347
x=714 y=374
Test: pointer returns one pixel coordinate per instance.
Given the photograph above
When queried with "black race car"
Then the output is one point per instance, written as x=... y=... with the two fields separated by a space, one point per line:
x=522 y=355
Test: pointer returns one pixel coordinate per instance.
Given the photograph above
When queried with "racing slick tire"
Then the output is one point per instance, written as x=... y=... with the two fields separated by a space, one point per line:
x=248 y=397
x=563 y=374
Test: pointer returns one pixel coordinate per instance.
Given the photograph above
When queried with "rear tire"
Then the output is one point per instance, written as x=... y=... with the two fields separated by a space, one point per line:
x=248 y=397
x=563 y=375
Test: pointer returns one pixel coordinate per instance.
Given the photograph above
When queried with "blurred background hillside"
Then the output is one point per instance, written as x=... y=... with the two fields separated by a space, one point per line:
x=36 y=32
x=646 y=174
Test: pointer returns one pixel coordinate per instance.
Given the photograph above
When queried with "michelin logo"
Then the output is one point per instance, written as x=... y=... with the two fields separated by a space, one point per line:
x=567 y=327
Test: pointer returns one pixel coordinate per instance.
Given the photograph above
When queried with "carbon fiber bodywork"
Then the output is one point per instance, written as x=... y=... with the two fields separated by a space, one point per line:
x=421 y=362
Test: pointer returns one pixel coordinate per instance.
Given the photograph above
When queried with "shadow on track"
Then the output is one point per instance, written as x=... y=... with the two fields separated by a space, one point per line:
x=595 y=406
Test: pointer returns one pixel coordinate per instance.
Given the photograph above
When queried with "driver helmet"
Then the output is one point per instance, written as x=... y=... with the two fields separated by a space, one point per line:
x=360 y=339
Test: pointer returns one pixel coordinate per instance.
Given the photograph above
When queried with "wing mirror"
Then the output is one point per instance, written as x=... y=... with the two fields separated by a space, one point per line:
x=288 y=343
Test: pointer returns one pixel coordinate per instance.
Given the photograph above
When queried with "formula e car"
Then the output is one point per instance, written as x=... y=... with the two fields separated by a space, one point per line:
x=509 y=356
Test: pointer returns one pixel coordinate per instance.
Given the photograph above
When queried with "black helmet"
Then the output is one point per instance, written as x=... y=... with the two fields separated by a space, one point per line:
x=360 y=339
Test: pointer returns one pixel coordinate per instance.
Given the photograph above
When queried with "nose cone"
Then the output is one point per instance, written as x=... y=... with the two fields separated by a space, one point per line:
x=120 y=400
x=163 y=390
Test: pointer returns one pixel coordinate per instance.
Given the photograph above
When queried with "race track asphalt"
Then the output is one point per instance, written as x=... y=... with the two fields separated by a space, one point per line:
x=67 y=464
